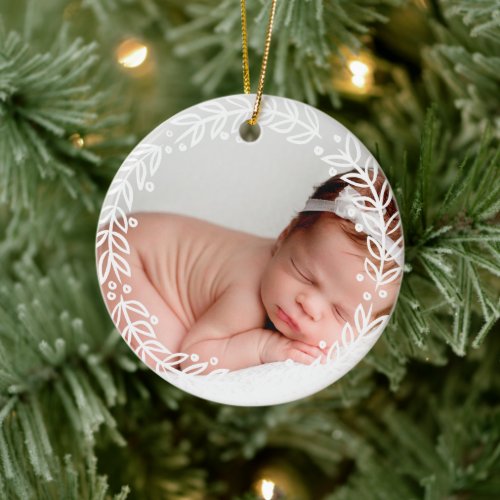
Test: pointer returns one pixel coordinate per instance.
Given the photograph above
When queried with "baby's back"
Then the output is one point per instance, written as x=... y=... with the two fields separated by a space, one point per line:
x=191 y=262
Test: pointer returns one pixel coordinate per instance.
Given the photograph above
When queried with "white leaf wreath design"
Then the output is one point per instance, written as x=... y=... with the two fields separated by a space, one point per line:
x=145 y=160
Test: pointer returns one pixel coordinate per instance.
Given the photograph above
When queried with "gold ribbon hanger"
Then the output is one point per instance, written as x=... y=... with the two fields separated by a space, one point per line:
x=246 y=69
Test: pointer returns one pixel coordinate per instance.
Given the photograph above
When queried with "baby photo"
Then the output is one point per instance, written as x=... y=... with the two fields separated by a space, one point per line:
x=237 y=300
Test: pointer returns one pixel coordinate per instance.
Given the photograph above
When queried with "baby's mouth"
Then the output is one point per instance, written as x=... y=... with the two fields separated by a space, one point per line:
x=283 y=316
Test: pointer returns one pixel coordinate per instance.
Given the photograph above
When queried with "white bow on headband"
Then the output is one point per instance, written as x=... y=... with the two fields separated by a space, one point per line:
x=344 y=207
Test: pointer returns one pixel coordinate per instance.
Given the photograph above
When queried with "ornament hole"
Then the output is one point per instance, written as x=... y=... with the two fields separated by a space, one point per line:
x=249 y=133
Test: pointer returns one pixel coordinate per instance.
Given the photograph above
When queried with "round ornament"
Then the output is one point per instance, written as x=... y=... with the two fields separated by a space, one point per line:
x=250 y=269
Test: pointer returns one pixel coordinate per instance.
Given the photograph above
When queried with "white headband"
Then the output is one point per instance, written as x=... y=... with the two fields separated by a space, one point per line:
x=345 y=207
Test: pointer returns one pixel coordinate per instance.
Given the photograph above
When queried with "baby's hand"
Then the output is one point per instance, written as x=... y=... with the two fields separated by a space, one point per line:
x=279 y=348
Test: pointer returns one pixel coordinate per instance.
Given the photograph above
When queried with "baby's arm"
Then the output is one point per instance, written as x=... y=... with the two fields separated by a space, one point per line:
x=227 y=332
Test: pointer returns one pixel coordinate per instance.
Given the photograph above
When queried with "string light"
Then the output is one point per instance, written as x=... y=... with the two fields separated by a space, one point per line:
x=353 y=73
x=361 y=75
x=279 y=480
x=359 y=72
x=88 y=140
x=77 y=140
x=267 y=489
x=131 y=53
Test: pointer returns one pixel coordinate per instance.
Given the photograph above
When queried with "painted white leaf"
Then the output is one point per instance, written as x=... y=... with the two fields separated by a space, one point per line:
x=175 y=358
x=213 y=108
x=355 y=180
x=340 y=160
x=359 y=318
x=371 y=222
x=371 y=165
x=283 y=126
x=390 y=221
x=115 y=186
x=107 y=212
x=265 y=118
x=372 y=270
x=137 y=307
x=198 y=134
x=104 y=266
x=120 y=219
x=353 y=148
x=215 y=373
x=153 y=347
x=292 y=110
x=101 y=237
x=396 y=255
x=374 y=248
x=120 y=265
x=196 y=369
x=366 y=203
x=140 y=175
x=154 y=159
x=218 y=126
x=385 y=195
x=347 y=335
x=269 y=111
x=116 y=314
x=329 y=160
x=142 y=327
x=334 y=351
x=396 y=244
x=186 y=119
x=124 y=169
x=120 y=242
x=376 y=326
x=312 y=117
x=196 y=131
x=128 y=194
x=303 y=138
x=390 y=275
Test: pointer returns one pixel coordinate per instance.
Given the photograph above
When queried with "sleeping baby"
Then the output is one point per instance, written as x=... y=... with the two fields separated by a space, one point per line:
x=238 y=300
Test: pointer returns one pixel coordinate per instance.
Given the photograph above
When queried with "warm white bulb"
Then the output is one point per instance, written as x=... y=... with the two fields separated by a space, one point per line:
x=131 y=53
x=267 y=489
x=359 y=81
x=77 y=140
x=358 y=68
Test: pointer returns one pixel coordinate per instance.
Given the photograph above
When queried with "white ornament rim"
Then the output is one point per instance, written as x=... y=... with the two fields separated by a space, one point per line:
x=282 y=116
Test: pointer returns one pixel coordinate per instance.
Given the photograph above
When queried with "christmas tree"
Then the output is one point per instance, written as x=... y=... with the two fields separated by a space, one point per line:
x=81 y=82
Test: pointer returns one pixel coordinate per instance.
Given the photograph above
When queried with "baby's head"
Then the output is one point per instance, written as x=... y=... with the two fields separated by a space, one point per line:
x=316 y=275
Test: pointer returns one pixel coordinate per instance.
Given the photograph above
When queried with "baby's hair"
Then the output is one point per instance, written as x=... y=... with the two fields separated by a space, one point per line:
x=330 y=190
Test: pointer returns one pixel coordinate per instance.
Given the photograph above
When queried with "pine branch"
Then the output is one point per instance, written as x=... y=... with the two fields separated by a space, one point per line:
x=46 y=101
x=482 y=17
x=447 y=447
x=448 y=247
x=54 y=232
x=132 y=16
x=466 y=59
x=54 y=374
x=305 y=36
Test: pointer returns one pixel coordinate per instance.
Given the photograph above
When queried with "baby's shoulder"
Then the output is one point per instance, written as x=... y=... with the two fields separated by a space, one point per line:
x=149 y=220
x=243 y=308
x=165 y=228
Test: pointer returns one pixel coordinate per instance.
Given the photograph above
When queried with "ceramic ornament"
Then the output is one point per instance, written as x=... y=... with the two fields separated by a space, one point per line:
x=250 y=270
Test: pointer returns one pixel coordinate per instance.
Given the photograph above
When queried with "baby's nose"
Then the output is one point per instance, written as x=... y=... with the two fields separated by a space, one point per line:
x=310 y=308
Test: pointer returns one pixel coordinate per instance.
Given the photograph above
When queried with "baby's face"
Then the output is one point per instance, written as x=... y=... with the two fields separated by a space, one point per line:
x=313 y=278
